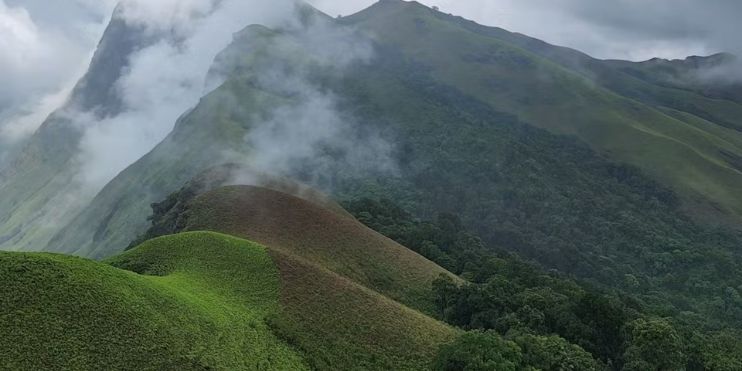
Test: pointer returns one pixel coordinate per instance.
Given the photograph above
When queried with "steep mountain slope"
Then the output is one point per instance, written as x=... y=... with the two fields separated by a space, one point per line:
x=649 y=126
x=237 y=304
x=118 y=213
x=510 y=73
x=38 y=186
x=213 y=133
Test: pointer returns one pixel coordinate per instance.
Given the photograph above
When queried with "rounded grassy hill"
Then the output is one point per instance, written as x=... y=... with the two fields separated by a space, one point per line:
x=199 y=302
x=324 y=293
x=308 y=231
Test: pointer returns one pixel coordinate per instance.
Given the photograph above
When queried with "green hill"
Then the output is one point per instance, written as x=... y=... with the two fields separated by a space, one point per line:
x=199 y=302
x=202 y=301
x=307 y=231
x=300 y=229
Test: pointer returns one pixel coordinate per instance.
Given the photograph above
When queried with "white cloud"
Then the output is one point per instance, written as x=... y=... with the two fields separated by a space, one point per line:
x=25 y=122
x=167 y=78
x=166 y=14
x=39 y=63
x=309 y=136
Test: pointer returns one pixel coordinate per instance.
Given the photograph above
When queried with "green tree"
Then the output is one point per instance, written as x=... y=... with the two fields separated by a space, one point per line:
x=721 y=351
x=654 y=345
x=479 y=351
x=553 y=353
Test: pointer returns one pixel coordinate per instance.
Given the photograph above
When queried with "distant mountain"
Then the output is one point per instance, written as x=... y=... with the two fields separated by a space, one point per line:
x=39 y=185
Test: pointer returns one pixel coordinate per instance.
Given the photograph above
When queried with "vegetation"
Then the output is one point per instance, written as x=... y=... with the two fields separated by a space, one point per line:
x=546 y=197
x=478 y=350
x=318 y=234
x=598 y=171
x=199 y=302
x=326 y=260
x=529 y=306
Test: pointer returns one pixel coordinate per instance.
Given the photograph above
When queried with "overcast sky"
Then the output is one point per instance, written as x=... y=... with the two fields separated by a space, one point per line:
x=46 y=45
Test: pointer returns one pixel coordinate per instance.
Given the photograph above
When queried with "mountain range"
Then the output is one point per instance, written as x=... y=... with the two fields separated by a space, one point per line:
x=621 y=178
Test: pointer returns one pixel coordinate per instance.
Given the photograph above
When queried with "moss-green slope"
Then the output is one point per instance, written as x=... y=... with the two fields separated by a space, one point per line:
x=202 y=300
x=201 y=303
x=320 y=236
x=341 y=325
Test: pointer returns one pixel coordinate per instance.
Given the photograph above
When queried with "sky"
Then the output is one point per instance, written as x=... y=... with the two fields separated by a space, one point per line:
x=45 y=45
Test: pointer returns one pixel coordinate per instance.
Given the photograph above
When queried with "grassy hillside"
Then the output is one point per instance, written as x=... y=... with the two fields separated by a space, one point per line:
x=202 y=300
x=341 y=325
x=327 y=259
x=569 y=93
x=314 y=234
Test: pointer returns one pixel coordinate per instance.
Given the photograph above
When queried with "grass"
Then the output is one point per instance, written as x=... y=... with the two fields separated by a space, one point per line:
x=321 y=236
x=342 y=325
x=203 y=301
x=200 y=302
x=344 y=287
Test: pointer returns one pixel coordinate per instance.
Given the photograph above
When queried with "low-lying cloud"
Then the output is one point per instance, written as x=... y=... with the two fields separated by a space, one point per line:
x=39 y=64
x=308 y=136
x=165 y=79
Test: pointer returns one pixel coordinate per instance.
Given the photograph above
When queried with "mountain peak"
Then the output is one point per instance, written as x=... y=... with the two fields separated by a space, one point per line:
x=95 y=90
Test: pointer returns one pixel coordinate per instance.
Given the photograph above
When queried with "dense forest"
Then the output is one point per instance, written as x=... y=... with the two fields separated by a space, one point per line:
x=520 y=314
x=547 y=197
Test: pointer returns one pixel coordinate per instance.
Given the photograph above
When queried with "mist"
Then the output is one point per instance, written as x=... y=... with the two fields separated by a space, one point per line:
x=309 y=137
x=39 y=62
x=165 y=79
